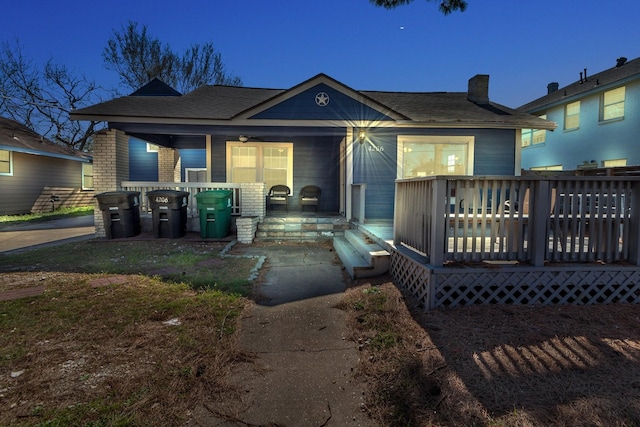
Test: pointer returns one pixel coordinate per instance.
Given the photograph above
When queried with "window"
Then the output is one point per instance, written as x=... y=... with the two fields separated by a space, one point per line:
x=572 y=116
x=534 y=136
x=87 y=176
x=152 y=148
x=435 y=155
x=195 y=175
x=547 y=168
x=271 y=163
x=614 y=163
x=613 y=104
x=6 y=164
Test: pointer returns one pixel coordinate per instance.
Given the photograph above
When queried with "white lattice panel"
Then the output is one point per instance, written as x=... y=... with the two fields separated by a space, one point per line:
x=574 y=284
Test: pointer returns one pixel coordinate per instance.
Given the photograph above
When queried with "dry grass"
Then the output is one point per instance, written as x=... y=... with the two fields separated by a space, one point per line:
x=136 y=333
x=109 y=355
x=496 y=365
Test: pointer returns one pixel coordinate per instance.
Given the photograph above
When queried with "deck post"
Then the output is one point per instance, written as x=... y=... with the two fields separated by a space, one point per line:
x=438 y=223
x=634 y=224
x=538 y=218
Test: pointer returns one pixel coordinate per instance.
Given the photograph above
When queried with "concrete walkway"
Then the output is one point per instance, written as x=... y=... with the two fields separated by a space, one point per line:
x=303 y=372
x=16 y=238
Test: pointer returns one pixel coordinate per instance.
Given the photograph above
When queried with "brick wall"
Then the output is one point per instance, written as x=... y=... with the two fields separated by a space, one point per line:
x=110 y=167
x=168 y=163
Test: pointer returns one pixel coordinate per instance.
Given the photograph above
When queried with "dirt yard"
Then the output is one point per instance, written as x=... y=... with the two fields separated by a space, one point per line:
x=496 y=365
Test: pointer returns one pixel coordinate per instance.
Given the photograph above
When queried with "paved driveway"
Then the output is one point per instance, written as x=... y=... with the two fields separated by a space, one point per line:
x=21 y=237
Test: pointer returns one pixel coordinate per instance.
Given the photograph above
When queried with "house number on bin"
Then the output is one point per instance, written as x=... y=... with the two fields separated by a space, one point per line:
x=162 y=200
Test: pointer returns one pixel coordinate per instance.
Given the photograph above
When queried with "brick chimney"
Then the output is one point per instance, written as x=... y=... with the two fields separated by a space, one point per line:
x=479 y=89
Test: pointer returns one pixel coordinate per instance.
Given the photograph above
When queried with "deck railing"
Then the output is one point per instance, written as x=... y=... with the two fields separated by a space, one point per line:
x=523 y=219
x=192 y=187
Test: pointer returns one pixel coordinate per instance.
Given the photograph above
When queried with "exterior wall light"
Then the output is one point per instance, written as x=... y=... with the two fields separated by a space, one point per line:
x=361 y=136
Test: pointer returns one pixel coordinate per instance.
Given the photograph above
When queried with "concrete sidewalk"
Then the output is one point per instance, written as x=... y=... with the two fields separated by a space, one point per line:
x=304 y=367
x=15 y=238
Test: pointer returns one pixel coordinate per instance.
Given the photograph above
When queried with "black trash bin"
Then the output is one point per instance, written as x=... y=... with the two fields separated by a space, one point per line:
x=120 y=213
x=214 y=207
x=169 y=212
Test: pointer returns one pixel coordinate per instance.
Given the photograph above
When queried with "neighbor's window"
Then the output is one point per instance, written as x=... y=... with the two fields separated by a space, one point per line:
x=87 y=176
x=572 y=116
x=547 y=168
x=152 y=148
x=435 y=155
x=6 y=167
x=270 y=162
x=614 y=163
x=613 y=104
x=534 y=136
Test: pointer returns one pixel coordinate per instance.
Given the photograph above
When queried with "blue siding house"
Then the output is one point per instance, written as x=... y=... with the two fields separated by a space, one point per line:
x=598 y=120
x=320 y=132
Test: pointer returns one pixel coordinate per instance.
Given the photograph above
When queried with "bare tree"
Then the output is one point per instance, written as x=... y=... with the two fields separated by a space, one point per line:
x=445 y=6
x=138 y=57
x=41 y=98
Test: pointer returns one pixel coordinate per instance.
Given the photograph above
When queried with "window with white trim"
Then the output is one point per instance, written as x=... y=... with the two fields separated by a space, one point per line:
x=612 y=106
x=195 y=175
x=572 y=116
x=6 y=162
x=268 y=162
x=152 y=148
x=434 y=155
x=87 y=176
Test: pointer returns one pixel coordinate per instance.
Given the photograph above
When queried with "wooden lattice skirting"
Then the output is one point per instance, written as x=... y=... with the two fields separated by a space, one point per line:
x=581 y=284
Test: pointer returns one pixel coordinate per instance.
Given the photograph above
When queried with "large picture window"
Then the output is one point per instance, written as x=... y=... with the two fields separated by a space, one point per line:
x=420 y=156
x=5 y=162
x=269 y=162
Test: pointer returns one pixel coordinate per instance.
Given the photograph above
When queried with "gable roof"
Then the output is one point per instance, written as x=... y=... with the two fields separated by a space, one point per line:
x=231 y=105
x=19 y=138
x=595 y=83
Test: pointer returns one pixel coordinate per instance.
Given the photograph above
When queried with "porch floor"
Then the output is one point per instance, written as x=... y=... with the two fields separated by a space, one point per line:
x=380 y=230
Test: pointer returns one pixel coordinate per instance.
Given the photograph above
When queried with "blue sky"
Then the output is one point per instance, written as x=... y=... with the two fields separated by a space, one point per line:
x=522 y=44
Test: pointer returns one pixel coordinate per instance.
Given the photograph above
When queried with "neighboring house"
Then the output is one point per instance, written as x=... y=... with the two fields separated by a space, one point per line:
x=598 y=117
x=319 y=132
x=38 y=175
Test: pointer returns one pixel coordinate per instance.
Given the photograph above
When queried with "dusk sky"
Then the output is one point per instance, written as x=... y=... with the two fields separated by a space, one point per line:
x=522 y=44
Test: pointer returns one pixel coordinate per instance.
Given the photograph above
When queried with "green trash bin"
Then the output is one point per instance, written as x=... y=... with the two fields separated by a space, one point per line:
x=214 y=207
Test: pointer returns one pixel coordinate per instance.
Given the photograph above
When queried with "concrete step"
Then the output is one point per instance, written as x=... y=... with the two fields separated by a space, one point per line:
x=301 y=228
x=361 y=256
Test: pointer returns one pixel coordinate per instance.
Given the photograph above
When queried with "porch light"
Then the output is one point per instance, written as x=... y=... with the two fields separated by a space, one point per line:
x=243 y=138
x=361 y=136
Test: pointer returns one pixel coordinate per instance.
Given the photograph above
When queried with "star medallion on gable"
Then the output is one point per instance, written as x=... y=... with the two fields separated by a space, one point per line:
x=322 y=99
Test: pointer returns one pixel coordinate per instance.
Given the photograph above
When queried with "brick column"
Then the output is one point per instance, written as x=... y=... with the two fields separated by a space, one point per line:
x=253 y=199
x=168 y=159
x=246 y=227
x=110 y=167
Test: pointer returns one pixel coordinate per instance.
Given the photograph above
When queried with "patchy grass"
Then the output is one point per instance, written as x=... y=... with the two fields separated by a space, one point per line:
x=6 y=220
x=143 y=350
x=495 y=365
x=84 y=355
x=197 y=264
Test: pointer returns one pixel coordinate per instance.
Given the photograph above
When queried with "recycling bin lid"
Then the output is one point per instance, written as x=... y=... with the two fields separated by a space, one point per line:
x=168 y=193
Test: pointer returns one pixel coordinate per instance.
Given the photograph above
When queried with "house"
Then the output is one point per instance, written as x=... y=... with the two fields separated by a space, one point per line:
x=319 y=132
x=37 y=175
x=598 y=117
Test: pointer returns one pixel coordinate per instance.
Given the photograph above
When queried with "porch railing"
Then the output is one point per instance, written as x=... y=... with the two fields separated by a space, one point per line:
x=523 y=219
x=192 y=187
